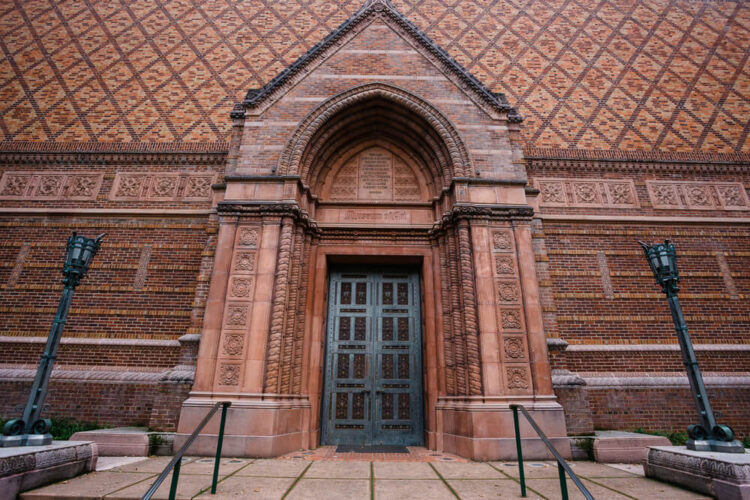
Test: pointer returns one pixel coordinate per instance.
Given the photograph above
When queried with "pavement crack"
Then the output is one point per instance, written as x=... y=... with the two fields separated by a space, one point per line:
x=291 y=486
x=444 y=481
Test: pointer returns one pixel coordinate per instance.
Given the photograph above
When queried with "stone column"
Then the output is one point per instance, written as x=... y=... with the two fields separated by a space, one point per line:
x=540 y=369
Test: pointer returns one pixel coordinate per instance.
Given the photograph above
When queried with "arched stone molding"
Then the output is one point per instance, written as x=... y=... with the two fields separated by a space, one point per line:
x=291 y=162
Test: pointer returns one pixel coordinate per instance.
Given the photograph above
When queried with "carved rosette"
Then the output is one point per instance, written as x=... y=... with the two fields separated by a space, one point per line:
x=233 y=345
x=236 y=315
x=244 y=262
x=505 y=265
x=248 y=237
x=508 y=291
x=502 y=241
x=514 y=348
x=517 y=378
x=229 y=374
x=241 y=287
x=510 y=319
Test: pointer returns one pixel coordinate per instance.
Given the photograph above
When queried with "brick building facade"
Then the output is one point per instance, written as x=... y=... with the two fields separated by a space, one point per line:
x=249 y=159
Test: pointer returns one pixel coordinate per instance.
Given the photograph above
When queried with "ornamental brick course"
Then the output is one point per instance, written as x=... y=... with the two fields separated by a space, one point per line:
x=667 y=75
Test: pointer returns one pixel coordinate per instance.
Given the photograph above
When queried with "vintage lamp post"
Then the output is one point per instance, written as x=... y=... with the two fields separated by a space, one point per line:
x=30 y=430
x=707 y=435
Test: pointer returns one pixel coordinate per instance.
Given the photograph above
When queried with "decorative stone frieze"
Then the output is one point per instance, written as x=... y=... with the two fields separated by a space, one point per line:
x=698 y=195
x=162 y=186
x=50 y=185
x=590 y=193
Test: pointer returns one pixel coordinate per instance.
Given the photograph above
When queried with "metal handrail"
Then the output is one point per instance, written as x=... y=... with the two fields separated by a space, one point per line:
x=177 y=459
x=562 y=465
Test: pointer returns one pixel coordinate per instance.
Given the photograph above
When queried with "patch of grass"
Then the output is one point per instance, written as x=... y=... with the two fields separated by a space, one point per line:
x=746 y=441
x=677 y=438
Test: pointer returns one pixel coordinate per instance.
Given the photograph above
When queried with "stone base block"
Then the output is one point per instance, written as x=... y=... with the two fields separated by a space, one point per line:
x=722 y=475
x=253 y=428
x=27 y=467
x=117 y=442
x=624 y=447
x=484 y=431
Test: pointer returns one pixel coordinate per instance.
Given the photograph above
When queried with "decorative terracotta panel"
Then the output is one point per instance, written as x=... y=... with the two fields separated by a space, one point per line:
x=50 y=186
x=590 y=193
x=137 y=186
x=698 y=195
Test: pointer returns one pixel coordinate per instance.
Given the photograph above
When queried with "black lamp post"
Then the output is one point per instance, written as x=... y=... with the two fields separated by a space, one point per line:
x=707 y=435
x=30 y=430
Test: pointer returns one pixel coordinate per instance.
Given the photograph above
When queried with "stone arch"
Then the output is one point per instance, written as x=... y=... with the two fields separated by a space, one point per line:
x=457 y=163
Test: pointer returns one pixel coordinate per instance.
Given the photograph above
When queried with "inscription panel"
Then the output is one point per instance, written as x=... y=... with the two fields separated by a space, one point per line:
x=376 y=174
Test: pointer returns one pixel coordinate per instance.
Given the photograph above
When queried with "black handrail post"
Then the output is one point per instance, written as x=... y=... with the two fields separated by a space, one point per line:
x=224 y=407
x=563 y=483
x=518 y=451
x=175 y=478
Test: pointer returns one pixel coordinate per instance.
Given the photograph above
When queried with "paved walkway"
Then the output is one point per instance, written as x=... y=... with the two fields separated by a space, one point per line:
x=296 y=478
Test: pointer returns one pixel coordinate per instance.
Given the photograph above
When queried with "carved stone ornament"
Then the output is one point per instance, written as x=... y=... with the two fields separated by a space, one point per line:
x=507 y=291
x=236 y=314
x=698 y=194
x=511 y=320
x=130 y=186
x=84 y=186
x=501 y=240
x=241 y=287
x=514 y=348
x=163 y=187
x=233 y=345
x=229 y=374
x=245 y=262
x=553 y=192
x=586 y=193
x=198 y=187
x=732 y=195
x=50 y=186
x=248 y=237
x=517 y=378
x=504 y=265
x=14 y=185
x=666 y=195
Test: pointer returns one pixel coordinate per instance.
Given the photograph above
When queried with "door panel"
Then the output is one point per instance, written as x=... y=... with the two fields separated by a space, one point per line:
x=373 y=388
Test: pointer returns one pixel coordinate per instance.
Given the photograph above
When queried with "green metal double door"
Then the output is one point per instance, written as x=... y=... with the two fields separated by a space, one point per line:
x=373 y=379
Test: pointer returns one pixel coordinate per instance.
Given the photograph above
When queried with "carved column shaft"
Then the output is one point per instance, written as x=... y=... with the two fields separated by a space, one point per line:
x=470 y=308
x=279 y=303
x=448 y=348
x=456 y=316
x=291 y=312
x=299 y=326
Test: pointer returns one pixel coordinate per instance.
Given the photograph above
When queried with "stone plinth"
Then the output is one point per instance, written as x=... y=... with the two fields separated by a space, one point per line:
x=723 y=475
x=117 y=442
x=625 y=447
x=26 y=467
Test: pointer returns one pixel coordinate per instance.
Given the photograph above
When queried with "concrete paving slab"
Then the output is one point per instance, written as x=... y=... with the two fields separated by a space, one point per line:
x=188 y=486
x=153 y=465
x=338 y=470
x=636 y=469
x=403 y=470
x=107 y=463
x=398 y=489
x=274 y=468
x=550 y=488
x=639 y=487
x=265 y=488
x=531 y=469
x=331 y=489
x=90 y=486
x=469 y=489
x=470 y=470
x=205 y=465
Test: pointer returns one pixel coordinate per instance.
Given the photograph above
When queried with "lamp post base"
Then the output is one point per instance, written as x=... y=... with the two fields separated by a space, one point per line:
x=714 y=445
x=25 y=440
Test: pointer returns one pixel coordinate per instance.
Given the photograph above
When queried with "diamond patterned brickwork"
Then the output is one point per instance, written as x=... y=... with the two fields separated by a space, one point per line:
x=669 y=75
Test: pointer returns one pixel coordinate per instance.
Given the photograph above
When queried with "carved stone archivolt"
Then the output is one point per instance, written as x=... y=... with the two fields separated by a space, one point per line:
x=291 y=161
